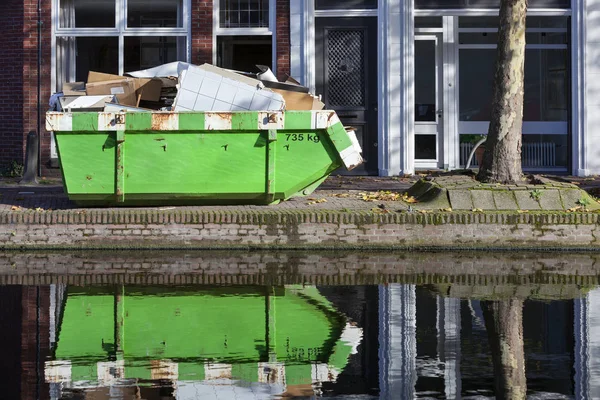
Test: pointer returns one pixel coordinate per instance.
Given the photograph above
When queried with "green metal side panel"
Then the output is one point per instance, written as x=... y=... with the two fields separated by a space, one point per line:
x=189 y=163
x=93 y=170
x=159 y=158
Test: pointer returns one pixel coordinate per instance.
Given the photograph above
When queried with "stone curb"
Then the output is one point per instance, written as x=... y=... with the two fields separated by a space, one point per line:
x=115 y=217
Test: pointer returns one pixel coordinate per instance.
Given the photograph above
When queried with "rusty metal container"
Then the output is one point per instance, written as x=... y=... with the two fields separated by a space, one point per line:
x=155 y=158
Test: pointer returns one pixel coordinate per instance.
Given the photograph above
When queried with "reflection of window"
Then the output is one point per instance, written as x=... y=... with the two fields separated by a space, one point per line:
x=121 y=39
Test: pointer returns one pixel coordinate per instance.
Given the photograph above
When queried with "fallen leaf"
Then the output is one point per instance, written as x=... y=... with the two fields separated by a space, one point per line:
x=477 y=210
x=15 y=208
x=449 y=209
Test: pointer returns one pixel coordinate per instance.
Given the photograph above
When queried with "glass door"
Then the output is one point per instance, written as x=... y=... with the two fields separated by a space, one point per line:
x=428 y=103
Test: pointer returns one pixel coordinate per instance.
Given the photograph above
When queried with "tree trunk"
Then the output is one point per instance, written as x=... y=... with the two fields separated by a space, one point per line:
x=502 y=157
x=504 y=325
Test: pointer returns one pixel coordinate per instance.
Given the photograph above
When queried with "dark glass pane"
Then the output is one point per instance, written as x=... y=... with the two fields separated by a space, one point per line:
x=148 y=52
x=87 y=13
x=425 y=147
x=478 y=38
x=155 y=13
x=476 y=72
x=425 y=80
x=345 y=5
x=428 y=22
x=243 y=53
x=478 y=22
x=546 y=84
x=96 y=54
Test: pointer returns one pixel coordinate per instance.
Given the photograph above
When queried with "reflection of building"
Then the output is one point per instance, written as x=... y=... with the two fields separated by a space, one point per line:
x=433 y=343
x=415 y=339
x=414 y=77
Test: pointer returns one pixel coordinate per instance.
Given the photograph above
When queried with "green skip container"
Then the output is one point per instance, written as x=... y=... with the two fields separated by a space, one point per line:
x=159 y=158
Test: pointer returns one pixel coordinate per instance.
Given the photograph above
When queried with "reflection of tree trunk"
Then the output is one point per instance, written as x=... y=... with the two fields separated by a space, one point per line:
x=504 y=325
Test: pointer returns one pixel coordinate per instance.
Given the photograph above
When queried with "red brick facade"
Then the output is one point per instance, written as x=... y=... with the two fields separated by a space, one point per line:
x=283 y=38
x=19 y=78
x=202 y=28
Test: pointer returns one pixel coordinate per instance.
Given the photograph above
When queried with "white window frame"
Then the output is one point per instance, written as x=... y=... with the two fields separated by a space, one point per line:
x=120 y=31
x=271 y=30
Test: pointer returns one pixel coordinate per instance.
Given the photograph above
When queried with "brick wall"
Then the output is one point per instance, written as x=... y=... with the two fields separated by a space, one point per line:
x=11 y=80
x=202 y=27
x=19 y=47
x=283 y=39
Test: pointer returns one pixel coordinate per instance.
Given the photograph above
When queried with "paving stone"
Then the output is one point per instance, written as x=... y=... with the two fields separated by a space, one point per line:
x=483 y=199
x=505 y=200
x=460 y=199
x=525 y=201
x=550 y=200
x=571 y=197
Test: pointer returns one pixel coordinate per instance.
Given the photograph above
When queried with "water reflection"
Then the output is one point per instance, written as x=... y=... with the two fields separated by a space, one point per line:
x=448 y=339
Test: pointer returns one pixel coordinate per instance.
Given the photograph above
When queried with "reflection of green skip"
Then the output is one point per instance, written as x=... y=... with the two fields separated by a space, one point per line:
x=240 y=326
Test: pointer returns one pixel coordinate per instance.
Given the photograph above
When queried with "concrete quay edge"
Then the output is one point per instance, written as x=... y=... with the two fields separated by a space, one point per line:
x=297 y=229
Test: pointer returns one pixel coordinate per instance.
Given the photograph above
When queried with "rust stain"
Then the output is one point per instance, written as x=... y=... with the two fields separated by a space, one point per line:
x=164 y=121
x=273 y=118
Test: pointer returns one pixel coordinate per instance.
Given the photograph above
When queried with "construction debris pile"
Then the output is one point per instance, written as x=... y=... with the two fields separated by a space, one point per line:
x=180 y=86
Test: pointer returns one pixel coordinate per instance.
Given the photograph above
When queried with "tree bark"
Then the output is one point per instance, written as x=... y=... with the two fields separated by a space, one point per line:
x=504 y=325
x=502 y=157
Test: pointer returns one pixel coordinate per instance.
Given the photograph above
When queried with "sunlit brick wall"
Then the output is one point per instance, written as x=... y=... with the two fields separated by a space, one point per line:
x=283 y=38
x=19 y=63
x=202 y=28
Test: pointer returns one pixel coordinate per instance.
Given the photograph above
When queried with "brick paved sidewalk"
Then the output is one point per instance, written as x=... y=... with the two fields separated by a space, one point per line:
x=337 y=193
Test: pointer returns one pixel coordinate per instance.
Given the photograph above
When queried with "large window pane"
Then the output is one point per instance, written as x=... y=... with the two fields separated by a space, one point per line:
x=154 y=13
x=96 y=54
x=243 y=53
x=87 y=13
x=425 y=80
x=244 y=13
x=546 y=84
x=147 y=52
x=476 y=72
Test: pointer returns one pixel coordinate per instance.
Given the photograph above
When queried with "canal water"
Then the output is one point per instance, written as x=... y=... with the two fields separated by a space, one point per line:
x=226 y=325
